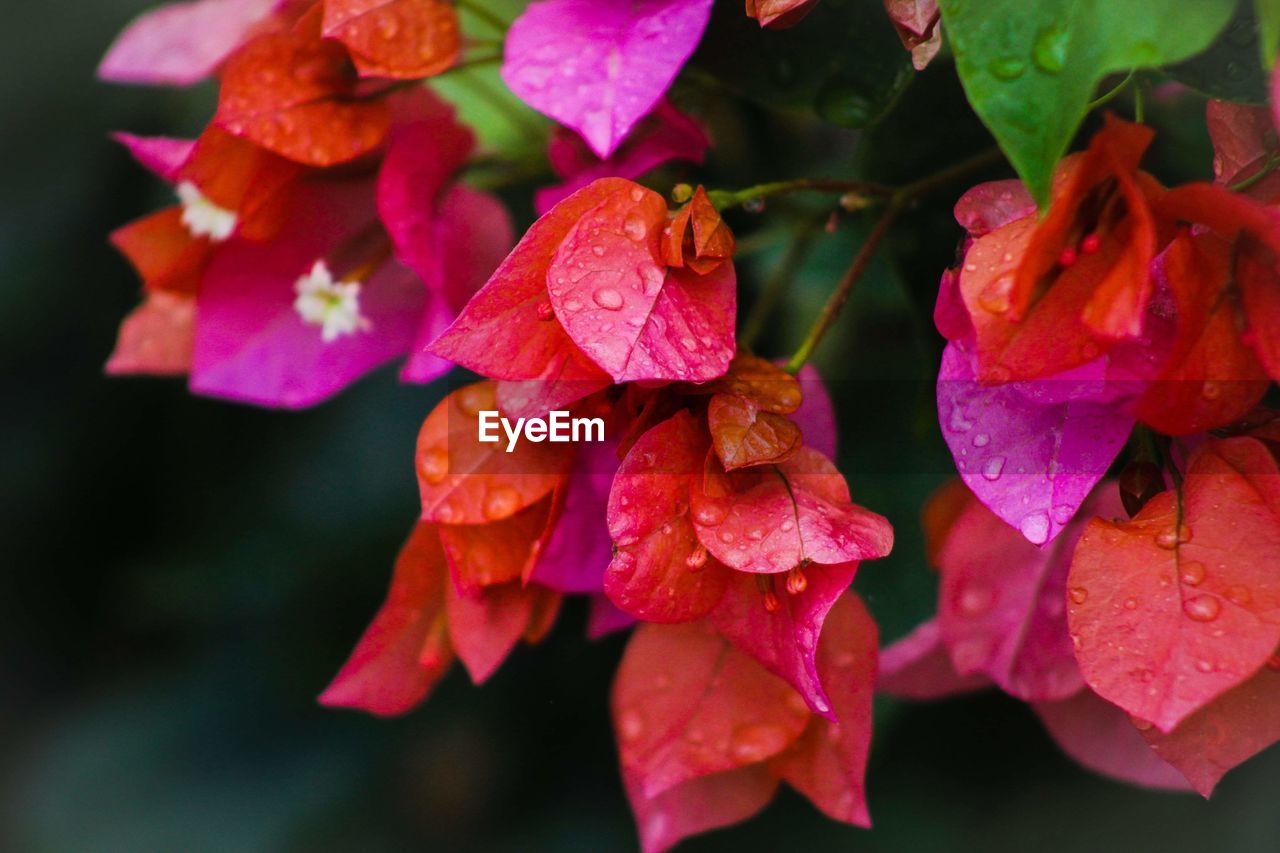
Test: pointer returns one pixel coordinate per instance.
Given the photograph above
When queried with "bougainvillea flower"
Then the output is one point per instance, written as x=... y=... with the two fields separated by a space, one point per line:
x=1002 y=603
x=600 y=67
x=1101 y=737
x=779 y=14
x=917 y=23
x=226 y=187
x=465 y=481
x=697 y=237
x=1033 y=450
x=1172 y=609
x=816 y=416
x=665 y=135
x=705 y=734
x=182 y=43
x=1232 y=728
x=663 y=571
x=424 y=623
x=747 y=413
x=585 y=298
x=297 y=94
x=1046 y=296
x=399 y=39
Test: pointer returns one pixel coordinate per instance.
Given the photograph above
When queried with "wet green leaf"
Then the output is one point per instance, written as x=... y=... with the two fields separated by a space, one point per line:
x=1030 y=69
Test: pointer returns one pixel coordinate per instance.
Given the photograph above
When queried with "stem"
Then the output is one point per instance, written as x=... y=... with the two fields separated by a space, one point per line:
x=1102 y=100
x=730 y=198
x=900 y=200
x=794 y=256
x=484 y=14
x=1139 y=105
x=1267 y=169
x=841 y=294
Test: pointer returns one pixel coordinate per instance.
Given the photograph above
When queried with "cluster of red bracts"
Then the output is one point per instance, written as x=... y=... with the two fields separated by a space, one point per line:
x=1140 y=617
x=711 y=512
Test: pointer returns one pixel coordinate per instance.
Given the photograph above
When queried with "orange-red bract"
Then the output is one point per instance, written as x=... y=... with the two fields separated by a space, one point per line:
x=1210 y=378
x=704 y=732
x=404 y=39
x=1170 y=610
x=1232 y=728
x=406 y=649
x=157 y=338
x=697 y=236
x=464 y=481
x=163 y=252
x=295 y=93
x=655 y=574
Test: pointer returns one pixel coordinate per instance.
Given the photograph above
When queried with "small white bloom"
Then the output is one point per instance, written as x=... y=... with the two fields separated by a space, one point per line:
x=202 y=217
x=334 y=306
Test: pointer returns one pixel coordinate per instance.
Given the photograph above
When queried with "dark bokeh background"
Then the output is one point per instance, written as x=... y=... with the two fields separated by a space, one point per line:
x=181 y=577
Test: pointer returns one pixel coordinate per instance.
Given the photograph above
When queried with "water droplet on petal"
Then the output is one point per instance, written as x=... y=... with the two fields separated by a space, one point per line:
x=975 y=598
x=758 y=741
x=993 y=468
x=710 y=514
x=501 y=503
x=1079 y=594
x=434 y=465
x=1192 y=573
x=630 y=724
x=1035 y=527
x=1202 y=608
x=608 y=298
x=981 y=440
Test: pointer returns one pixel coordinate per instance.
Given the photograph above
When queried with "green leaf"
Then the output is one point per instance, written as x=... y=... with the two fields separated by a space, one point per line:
x=1268 y=13
x=1230 y=69
x=1030 y=69
x=843 y=61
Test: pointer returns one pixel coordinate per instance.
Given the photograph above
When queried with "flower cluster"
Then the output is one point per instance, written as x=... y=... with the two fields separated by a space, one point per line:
x=1110 y=555
x=1132 y=324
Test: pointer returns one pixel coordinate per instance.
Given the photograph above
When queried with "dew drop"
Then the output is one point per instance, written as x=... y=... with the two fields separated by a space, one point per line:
x=608 y=298
x=546 y=312
x=635 y=228
x=434 y=465
x=1078 y=594
x=981 y=440
x=630 y=724
x=710 y=514
x=1192 y=573
x=501 y=503
x=1050 y=49
x=471 y=400
x=1062 y=513
x=1202 y=608
x=1035 y=527
x=598 y=251
x=1131 y=603
x=1007 y=67
x=993 y=468
x=1239 y=595
x=697 y=559
x=758 y=741
x=975 y=598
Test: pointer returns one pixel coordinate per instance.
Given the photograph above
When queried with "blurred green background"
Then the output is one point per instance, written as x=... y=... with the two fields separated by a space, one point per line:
x=181 y=577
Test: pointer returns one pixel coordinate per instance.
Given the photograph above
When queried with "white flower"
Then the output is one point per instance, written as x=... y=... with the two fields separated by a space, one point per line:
x=202 y=217
x=334 y=306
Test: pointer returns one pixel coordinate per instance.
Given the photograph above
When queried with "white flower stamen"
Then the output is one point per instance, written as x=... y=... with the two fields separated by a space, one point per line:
x=332 y=305
x=202 y=217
